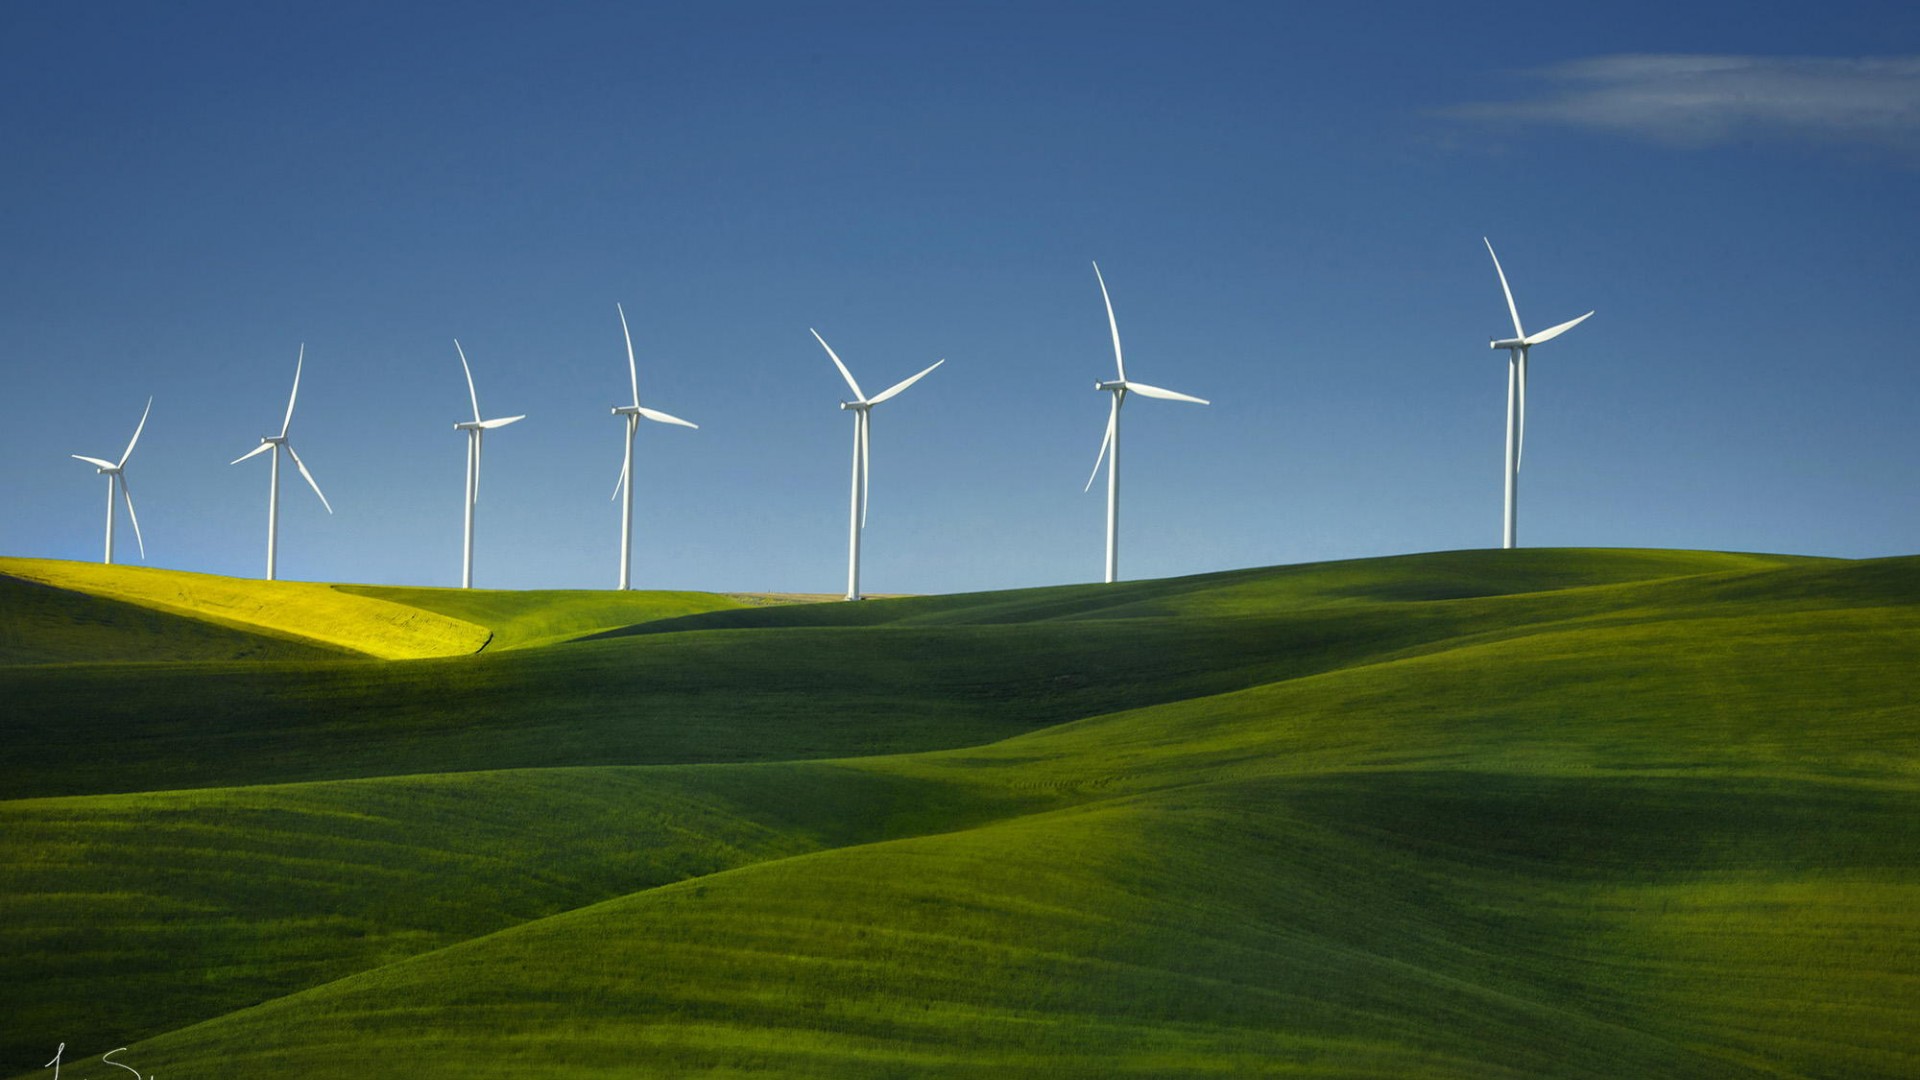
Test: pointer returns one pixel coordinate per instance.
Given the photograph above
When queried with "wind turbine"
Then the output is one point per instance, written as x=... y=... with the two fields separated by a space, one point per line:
x=1110 y=446
x=115 y=472
x=274 y=443
x=474 y=428
x=633 y=413
x=1517 y=347
x=861 y=406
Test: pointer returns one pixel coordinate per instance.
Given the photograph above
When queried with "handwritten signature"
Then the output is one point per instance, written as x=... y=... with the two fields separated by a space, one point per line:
x=106 y=1058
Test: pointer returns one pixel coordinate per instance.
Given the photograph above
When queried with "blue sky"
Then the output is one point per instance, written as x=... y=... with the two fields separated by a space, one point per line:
x=1287 y=202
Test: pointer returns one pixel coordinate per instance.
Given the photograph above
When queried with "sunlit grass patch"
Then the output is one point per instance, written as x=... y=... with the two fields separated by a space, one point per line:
x=307 y=610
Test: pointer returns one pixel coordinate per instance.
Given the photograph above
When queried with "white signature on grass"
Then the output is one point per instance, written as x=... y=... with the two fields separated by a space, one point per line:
x=106 y=1058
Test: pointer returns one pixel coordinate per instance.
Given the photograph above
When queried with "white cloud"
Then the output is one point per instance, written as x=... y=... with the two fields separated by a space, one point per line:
x=1696 y=100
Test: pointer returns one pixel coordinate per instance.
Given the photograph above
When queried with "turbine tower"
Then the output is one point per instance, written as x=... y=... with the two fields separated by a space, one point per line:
x=474 y=428
x=633 y=414
x=274 y=443
x=861 y=407
x=1110 y=446
x=115 y=472
x=1517 y=347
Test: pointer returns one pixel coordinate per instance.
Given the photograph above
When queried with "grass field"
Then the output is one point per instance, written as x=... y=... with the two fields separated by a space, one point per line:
x=1469 y=814
x=316 y=615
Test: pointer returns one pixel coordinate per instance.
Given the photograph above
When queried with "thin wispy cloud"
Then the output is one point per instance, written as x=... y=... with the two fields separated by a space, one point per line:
x=1702 y=100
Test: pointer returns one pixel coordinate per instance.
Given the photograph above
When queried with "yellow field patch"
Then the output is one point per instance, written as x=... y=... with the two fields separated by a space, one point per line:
x=299 y=609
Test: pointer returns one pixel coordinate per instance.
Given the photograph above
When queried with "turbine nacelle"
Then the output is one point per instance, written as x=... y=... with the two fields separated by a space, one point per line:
x=857 y=406
x=1508 y=343
x=1111 y=384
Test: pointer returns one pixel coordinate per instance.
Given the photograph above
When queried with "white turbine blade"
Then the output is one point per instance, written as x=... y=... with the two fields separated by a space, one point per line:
x=1104 y=443
x=471 y=394
x=620 y=483
x=659 y=417
x=903 y=384
x=255 y=452
x=866 y=462
x=478 y=442
x=93 y=461
x=127 y=493
x=288 y=422
x=311 y=482
x=1520 y=439
x=136 y=435
x=633 y=372
x=1119 y=362
x=844 y=373
x=1165 y=395
x=488 y=425
x=1550 y=334
x=1511 y=310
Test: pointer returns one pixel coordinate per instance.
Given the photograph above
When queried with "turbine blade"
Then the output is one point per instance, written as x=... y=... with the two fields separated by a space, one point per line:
x=502 y=422
x=866 y=462
x=1119 y=362
x=255 y=452
x=127 y=493
x=903 y=384
x=1520 y=441
x=471 y=394
x=844 y=373
x=478 y=442
x=1104 y=443
x=136 y=435
x=311 y=482
x=1511 y=310
x=94 y=461
x=659 y=417
x=1554 y=332
x=1165 y=395
x=633 y=372
x=620 y=483
x=288 y=422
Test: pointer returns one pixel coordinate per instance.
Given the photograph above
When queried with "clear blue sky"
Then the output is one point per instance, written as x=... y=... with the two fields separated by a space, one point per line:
x=1287 y=201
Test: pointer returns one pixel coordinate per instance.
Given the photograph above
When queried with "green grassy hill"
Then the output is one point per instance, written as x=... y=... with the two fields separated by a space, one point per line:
x=1471 y=814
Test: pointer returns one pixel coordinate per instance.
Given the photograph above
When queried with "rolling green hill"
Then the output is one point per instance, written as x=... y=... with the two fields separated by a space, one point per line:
x=1469 y=814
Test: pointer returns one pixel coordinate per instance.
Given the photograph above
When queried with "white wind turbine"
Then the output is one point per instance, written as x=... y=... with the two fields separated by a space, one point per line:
x=1517 y=347
x=1110 y=446
x=633 y=413
x=274 y=443
x=115 y=472
x=474 y=428
x=861 y=406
